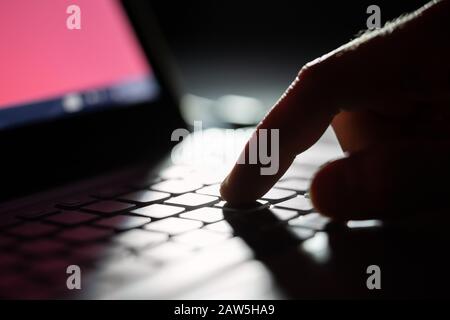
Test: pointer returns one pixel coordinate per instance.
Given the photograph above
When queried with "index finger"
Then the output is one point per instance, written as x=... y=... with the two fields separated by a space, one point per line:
x=300 y=120
x=372 y=72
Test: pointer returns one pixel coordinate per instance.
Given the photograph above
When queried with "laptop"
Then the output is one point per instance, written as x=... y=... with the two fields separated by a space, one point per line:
x=99 y=201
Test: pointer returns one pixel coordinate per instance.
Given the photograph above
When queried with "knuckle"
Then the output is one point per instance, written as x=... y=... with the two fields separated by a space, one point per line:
x=321 y=71
x=309 y=71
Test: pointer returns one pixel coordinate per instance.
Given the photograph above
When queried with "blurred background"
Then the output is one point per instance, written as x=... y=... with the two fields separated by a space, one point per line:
x=243 y=54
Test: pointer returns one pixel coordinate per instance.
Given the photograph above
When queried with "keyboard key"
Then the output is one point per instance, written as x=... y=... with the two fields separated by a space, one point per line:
x=158 y=211
x=124 y=272
x=122 y=222
x=255 y=206
x=145 y=196
x=284 y=215
x=207 y=215
x=313 y=221
x=85 y=234
x=37 y=213
x=278 y=194
x=302 y=233
x=221 y=226
x=251 y=222
x=201 y=238
x=99 y=252
x=274 y=238
x=138 y=238
x=300 y=172
x=32 y=230
x=174 y=226
x=213 y=190
x=206 y=264
x=167 y=252
x=176 y=186
x=18 y=286
x=108 y=207
x=51 y=268
x=42 y=247
x=299 y=203
x=70 y=218
x=192 y=200
x=300 y=185
x=75 y=202
x=220 y=204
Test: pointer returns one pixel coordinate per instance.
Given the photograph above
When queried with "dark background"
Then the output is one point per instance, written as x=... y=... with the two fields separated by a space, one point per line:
x=255 y=48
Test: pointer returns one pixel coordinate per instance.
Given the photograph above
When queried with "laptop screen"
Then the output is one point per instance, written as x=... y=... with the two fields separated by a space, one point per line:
x=61 y=57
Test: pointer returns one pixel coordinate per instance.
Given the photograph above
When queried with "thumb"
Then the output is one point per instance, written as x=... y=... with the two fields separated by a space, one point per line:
x=384 y=182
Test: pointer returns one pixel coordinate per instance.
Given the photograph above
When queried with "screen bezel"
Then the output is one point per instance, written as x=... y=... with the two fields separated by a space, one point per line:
x=40 y=156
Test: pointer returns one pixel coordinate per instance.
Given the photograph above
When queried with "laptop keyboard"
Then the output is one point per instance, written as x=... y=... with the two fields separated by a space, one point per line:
x=160 y=221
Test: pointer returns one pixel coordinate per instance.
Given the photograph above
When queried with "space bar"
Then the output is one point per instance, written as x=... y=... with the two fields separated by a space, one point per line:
x=177 y=278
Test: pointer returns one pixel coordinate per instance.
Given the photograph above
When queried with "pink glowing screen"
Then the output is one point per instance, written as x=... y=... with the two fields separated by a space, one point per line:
x=40 y=58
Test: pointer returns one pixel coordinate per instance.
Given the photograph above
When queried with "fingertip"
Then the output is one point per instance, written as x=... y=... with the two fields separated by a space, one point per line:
x=238 y=192
x=230 y=192
x=224 y=189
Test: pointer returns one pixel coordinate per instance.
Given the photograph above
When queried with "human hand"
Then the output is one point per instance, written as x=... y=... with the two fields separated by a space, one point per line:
x=387 y=96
